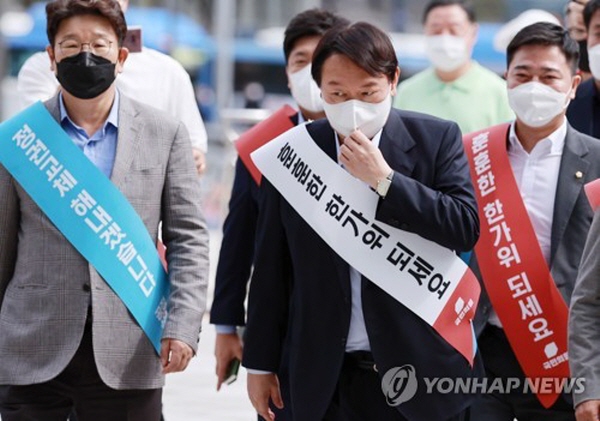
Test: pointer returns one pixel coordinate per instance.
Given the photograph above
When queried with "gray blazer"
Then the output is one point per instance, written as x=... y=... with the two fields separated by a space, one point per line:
x=572 y=216
x=584 y=319
x=46 y=286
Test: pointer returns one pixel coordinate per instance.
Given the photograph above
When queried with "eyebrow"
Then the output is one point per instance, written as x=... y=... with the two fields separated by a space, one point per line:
x=99 y=33
x=300 y=53
x=364 y=86
x=544 y=69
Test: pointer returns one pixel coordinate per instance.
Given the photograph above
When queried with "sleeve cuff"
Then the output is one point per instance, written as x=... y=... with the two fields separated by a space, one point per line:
x=225 y=329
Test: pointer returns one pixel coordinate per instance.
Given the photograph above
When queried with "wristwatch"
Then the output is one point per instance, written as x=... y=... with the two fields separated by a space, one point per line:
x=384 y=185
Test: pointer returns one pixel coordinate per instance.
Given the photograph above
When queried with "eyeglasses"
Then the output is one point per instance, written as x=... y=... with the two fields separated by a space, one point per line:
x=100 y=47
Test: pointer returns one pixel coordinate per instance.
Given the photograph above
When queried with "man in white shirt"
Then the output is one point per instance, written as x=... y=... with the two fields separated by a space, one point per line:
x=550 y=162
x=149 y=76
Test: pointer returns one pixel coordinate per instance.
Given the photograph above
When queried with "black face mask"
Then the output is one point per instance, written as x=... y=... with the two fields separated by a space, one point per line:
x=584 y=62
x=85 y=75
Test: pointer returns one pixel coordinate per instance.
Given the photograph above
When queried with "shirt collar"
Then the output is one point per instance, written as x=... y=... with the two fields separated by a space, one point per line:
x=300 y=118
x=113 y=115
x=463 y=83
x=556 y=138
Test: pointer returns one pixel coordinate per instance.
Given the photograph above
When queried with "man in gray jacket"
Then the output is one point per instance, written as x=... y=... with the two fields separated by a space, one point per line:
x=67 y=340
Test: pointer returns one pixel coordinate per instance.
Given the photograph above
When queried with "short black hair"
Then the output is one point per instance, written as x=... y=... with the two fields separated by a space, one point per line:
x=466 y=5
x=366 y=45
x=588 y=12
x=308 y=23
x=547 y=34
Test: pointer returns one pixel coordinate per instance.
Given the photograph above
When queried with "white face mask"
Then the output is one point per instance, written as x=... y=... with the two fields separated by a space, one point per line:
x=351 y=115
x=305 y=90
x=594 y=58
x=536 y=104
x=447 y=52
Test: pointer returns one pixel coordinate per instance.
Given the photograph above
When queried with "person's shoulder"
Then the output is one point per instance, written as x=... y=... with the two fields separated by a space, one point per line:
x=38 y=59
x=585 y=89
x=318 y=127
x=487 y=77
x=37 y=66
x=414 y=119
x=160 y=60
x=148 y=113
x=591 y=142
x=417 y=81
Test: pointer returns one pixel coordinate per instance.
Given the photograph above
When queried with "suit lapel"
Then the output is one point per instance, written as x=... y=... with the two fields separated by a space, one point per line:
x=397 y=145
x=128 y=141
x=53 y=107
x=128 y=138
x=571 y=178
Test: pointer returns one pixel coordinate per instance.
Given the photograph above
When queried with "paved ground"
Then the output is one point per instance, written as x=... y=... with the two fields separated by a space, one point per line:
x=192 y=395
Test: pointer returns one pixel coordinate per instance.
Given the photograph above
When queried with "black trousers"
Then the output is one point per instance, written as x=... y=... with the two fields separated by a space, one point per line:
x=78 y=389
x=358 y=395
x=500 y=362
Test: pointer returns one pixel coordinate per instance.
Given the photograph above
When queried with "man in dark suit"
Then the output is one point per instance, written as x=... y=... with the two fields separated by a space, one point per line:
x=340 y=331
x=551 y=163
x=237 y=248
x=584 y=111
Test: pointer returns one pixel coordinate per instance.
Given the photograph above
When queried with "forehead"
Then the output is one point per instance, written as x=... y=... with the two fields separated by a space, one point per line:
x=451 y=14
x=539 y=57
x=338 y=69
x=305 y=45
x=85 y=25
x=595 y=20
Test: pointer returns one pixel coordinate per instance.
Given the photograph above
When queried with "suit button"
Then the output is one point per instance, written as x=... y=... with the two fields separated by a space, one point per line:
x=404 y=226
x=87 y=288
x=344 y=341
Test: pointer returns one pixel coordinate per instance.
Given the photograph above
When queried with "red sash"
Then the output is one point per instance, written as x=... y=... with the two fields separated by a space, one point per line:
x=279 y=122
x=515 y=273
x=592 y=191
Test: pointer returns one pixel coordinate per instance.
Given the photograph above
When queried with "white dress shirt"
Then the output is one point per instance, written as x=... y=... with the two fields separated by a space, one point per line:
x=536 y=174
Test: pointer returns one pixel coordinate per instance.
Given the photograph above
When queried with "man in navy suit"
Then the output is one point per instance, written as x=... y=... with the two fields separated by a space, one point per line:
x=237 y=248
x=339 y=331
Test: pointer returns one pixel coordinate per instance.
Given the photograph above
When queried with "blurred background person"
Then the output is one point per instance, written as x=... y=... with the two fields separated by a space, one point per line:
x=577 y=28
x=584 y=111
x=455 y=87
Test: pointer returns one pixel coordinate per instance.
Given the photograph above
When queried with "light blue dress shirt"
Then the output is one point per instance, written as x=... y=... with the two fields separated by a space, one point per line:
x=101 y=147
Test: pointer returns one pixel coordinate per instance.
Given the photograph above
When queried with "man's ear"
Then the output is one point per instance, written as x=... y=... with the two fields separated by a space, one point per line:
x=50 y=52
x=395 y=81
x=123 y=54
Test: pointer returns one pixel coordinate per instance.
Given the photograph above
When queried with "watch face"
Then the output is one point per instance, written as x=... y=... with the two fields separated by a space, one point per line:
x=383 y=186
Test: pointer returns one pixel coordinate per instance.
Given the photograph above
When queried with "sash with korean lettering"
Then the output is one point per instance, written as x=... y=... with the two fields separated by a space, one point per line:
x=427 y=278
x=268 y=129
x=515 y=273
x=92 y=214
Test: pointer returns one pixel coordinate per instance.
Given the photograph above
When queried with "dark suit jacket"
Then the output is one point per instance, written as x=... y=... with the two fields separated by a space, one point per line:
x=237 y=249
x=572 y=217
x=300 y=290
x=584 y=111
